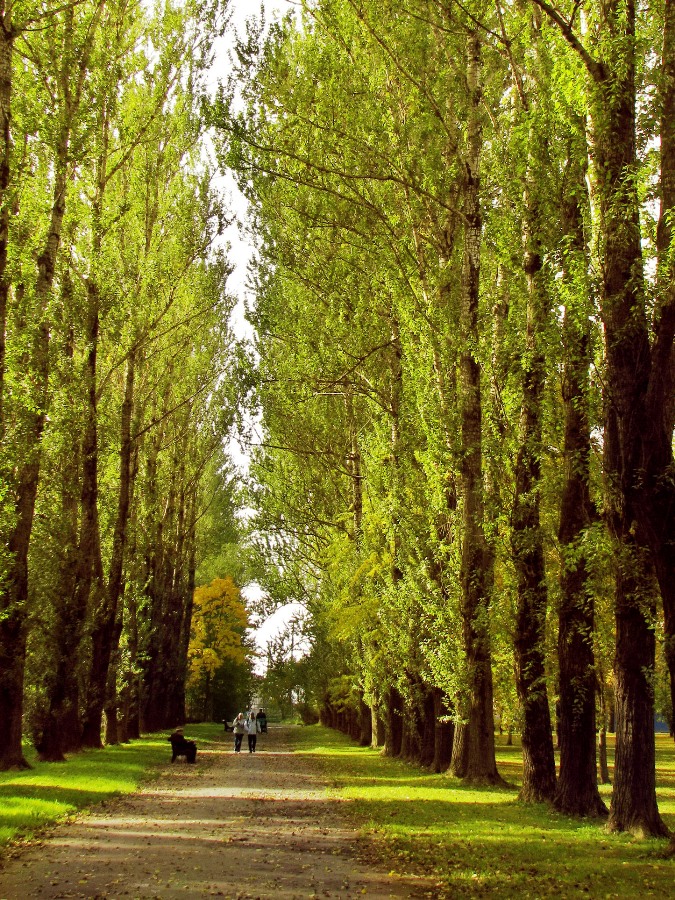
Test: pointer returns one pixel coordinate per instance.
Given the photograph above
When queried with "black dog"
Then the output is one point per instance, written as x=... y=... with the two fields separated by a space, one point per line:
x=182 y=747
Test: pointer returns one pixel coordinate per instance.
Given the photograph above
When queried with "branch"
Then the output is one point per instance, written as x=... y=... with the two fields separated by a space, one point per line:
x=595 y=69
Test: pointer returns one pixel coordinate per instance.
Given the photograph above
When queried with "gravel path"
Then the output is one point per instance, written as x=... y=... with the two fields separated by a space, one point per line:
x=234 y=825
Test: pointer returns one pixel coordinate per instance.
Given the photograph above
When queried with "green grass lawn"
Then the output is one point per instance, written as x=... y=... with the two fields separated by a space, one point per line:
x=36 y=797
x=483 y=841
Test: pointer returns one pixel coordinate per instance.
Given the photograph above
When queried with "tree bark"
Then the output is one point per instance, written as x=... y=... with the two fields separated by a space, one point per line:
x=130 y=692
x=460 y=751
x=444 y=733
x=173 y=618
x=149 y=643
x=7 y=36
x=365 y=723
x=378 y=732
x=14 y=593
x=577 y=789
x=628 y=354
x=657 y=515
x=185 y=586
x=393 y=723
x=633 y=807
x=106 y=610
x=59 y=728
x=477 y=558
x=638 y=406
x=602 y=756
x=527 y=539
x=428 y=729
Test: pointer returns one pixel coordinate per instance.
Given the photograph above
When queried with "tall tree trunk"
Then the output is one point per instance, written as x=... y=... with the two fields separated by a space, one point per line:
x=658 y=513
x=613 y=100
x=365 y=723
x=460 y=750
x=393 y=723
x=184 y=588
x=413 y=723
x=636 y=490
x=173 y=617
x=444 y=733
x=527 y=539
x=106 y=611
x=90 y=589
x=354 y=466
x=378 y=732
x=477 y=558
x=149 y=644
x=130 y=691
x=528 y=557
x=14 y=592
x=577 y=790
x=428 y=729
x=131 y=727
x=633 y=807
x=59 y=724
x=179 y=711
x=7 y=36
x=112 y=700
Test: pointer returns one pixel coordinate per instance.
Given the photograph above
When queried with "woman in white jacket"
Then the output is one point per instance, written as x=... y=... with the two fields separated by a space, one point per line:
x=239 y=729
x=252 y=731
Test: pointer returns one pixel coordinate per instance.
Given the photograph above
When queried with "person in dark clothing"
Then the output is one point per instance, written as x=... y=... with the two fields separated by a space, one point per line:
x=180 y=746
x=252 y=731
x=262 y=721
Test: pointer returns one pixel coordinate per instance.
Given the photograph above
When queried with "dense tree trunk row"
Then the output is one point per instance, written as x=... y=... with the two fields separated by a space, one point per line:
x=514 y=449
x=108 y=284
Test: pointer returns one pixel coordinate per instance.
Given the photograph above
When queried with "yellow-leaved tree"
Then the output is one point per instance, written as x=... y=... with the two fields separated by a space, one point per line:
x=218 y=655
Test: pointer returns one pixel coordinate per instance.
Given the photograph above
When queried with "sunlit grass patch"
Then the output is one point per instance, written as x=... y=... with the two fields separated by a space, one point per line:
x=483 y=841
x=34 y=798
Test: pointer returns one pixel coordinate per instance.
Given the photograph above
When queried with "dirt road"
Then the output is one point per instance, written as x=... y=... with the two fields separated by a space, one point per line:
x=238 y=826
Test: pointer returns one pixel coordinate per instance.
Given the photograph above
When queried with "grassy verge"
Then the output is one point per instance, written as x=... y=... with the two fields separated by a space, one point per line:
x=483 y=842
x=38 y=797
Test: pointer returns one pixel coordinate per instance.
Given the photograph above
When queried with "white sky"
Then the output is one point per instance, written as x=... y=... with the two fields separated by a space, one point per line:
x=240 y=253
x=239 y=256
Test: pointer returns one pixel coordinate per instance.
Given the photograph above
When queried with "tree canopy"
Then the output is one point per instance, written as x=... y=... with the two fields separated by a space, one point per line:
x=464 y=332
x=463 y=306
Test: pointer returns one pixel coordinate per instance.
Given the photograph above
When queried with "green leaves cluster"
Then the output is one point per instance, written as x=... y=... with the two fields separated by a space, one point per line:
x=350 y=131
x=119 y=371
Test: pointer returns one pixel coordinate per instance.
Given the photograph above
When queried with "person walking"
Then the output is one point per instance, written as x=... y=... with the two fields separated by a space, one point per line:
x=252 y=731
x=239 y=729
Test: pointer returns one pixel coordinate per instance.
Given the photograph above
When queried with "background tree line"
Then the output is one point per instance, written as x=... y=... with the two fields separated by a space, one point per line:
x=465 y=317
x=118 y=379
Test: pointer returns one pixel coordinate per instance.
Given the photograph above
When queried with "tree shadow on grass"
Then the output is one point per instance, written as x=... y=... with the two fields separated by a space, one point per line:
x=511 y=850
x=483 y=842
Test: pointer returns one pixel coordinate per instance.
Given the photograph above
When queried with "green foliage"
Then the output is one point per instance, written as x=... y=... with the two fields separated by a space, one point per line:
x=116 y=341
x=219 y=658
x=349 y=133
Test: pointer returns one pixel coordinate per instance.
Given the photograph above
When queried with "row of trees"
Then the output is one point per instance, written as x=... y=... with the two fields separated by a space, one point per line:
x=116 y=366
x=465 y=323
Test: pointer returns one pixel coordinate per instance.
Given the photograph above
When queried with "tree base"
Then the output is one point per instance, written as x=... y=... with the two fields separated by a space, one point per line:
x=641 y=827
x=14 y=765
x=51 y=757
x=495 y=780
x=590 y=806
x=535 y=795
